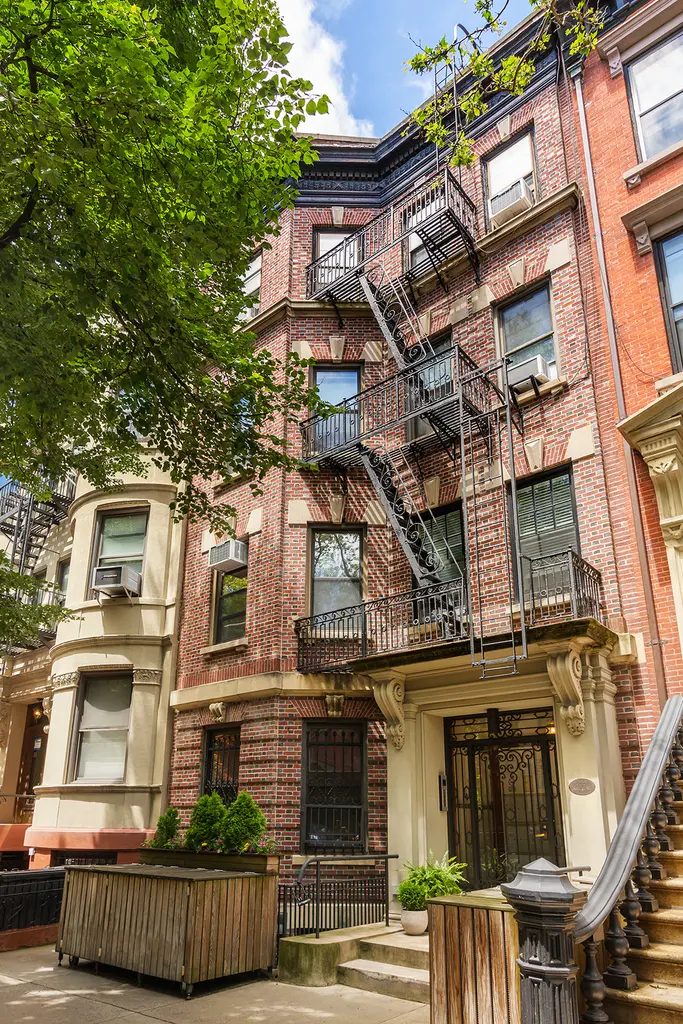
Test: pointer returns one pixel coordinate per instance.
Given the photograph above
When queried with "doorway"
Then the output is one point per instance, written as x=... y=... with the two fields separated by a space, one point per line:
x=32 y=761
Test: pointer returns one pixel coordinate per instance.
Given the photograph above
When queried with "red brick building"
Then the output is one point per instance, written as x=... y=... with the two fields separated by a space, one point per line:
x=435 y=647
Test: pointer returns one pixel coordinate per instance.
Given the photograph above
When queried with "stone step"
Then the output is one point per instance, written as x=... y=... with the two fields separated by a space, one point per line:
x=648 y=1004
x=387 y=979
x=672 y=860
x=675 y=833
x=664 y=925
x=661 y=962
x=400 y=949
x=668 y=892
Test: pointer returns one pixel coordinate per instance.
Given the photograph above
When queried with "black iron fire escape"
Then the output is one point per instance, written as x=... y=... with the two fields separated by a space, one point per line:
x=472 y=415
x=26 y=521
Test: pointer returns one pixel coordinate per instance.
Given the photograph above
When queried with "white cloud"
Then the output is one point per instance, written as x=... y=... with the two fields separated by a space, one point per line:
x=319 y=57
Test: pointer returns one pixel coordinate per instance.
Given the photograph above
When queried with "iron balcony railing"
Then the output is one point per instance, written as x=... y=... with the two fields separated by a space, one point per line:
x=425 y=616
x=13 y=495
x=557 y=588
x=561 y=586
x=438 y=204
x=432 y=386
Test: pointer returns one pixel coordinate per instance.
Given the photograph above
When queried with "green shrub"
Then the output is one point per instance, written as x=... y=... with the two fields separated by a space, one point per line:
x=443 y=877
x=411 y=895
x=206 y=823
x=243 y=825
x=167 y=833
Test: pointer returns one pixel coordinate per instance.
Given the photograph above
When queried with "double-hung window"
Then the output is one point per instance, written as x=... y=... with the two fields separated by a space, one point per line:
x=433 y=384
x=546 y=516
x=671 y=253
x=337 y=255
x=63 y=580
x=656 y=82
x=336 y=570
x=527 y=331
x=231 y=606
x=337 y=385
x=121 y=540
x=510 y=175
x=334 y=794
x=103 y=728
x=251 y=287
x=445 y=530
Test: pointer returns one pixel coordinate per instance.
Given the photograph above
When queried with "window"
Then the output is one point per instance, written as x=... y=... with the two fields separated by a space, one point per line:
x=231 y=606
x=40 y=595
x=334 y=787
x=221 y=765
x=338 y=264
x=445 y=529
x=121 y=540
x=336 y=570
x=656 y=82
x=103 y=728
x=251 y=286
x=418 y=257
x=433 y=384
x=527 y=330
x=671 y=253
x=335 y=385
x=507 y=168
x=547 y=519
x=63 y=580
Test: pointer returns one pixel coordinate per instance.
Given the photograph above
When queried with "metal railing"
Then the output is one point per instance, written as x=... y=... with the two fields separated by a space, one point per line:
x=439 y=194
x=561 y=586
x=22 y=807
x=406 y=395
x=328 y=904
x=424 y=616
x=13 y=495
x=30 y=898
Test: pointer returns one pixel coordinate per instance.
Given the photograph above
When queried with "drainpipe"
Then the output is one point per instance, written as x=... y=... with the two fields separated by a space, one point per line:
x=655 y=641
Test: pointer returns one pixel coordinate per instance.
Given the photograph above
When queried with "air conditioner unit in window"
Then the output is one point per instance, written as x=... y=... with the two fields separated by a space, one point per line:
x=116 y=581
x=522 y=375
x=508 y=204
x=228 y=556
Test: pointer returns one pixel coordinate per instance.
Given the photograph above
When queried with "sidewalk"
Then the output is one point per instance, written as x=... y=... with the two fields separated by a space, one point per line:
x=33 y=989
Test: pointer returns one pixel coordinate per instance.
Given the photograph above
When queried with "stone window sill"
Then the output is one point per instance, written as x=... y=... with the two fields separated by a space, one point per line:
x=229 y=645
x=549 y=388
x=635 y=174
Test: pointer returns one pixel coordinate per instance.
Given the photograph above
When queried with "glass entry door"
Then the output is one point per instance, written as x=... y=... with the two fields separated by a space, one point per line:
x=504 y=800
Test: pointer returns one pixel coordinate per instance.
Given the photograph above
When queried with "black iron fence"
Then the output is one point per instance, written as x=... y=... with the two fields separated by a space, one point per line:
x=30 y=898
x=325 y=905
x=561 y=586
x=427 y=615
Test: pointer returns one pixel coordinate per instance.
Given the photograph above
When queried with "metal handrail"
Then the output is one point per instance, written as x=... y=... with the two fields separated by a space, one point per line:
x=384 y=857
x=626 y=841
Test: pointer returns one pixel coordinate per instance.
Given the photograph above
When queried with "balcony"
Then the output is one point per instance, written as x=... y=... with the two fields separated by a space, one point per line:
x=437 y=212
x=557 y=588
x=449 y=385
x=13 y=496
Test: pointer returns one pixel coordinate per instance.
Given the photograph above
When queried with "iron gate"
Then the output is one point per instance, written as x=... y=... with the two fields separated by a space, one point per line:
x=503 y=795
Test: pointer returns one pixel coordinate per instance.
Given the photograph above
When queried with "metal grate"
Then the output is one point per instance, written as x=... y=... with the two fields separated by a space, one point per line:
x=221 y=767
x=334 y=788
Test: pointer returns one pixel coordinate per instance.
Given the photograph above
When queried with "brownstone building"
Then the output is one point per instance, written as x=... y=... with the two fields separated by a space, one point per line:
x=433 y=636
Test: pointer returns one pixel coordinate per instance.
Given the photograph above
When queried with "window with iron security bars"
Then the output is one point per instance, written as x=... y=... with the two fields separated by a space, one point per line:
x=221 y=766
x=334 y=788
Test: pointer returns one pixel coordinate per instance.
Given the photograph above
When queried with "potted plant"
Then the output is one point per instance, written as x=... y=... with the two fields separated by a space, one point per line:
x=411 y=895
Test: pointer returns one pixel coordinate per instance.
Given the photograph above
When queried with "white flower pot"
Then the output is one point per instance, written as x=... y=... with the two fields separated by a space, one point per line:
x=414 y=922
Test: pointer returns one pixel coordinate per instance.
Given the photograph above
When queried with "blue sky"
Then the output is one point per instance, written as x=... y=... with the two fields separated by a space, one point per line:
x=354 y=50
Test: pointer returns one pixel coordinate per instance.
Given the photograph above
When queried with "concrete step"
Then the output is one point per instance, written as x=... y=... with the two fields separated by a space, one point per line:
x=400 y=949
x=668 y=892
x=647 y=1004
x=664 y=925
x=387 y=979
x=661 y=962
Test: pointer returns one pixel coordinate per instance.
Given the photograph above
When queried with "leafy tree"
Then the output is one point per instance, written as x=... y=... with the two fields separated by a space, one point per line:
x=576 y=22
x=145 y=153
x=24 y=613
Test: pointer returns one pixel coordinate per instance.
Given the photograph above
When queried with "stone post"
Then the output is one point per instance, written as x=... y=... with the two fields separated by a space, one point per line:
x=546 y=904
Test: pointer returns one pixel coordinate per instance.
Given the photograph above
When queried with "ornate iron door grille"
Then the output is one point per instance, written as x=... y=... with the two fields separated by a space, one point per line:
x=221 y=768
x=503 y=793
x=334 y=788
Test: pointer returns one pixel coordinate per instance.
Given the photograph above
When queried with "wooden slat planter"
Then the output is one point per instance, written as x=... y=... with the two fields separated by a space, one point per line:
x=181 y=924
x=267 y=863
x=473 y=948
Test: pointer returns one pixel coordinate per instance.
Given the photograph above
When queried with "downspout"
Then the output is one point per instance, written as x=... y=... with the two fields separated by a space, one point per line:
x=653 y=627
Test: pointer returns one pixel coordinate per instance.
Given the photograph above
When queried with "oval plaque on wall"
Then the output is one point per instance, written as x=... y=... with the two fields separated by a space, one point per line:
x=582 y=787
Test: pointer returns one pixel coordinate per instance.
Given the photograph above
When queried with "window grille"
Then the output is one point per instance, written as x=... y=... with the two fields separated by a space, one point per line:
x=334 y=788
x=221 y=767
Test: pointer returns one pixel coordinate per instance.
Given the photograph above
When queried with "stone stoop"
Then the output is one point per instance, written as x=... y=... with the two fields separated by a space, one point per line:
x=393 y=965
x=658 y=999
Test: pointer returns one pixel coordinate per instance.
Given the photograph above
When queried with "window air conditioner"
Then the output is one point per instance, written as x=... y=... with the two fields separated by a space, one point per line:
x=508 y=204
x=230 y=555
x=116 y=581
x=521 y=375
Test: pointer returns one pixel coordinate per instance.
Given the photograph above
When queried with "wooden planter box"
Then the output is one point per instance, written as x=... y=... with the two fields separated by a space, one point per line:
x=180 y=924
x=264 y=863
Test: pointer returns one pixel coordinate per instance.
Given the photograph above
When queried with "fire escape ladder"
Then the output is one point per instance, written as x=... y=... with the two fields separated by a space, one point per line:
x=498 y=626
x=401 y=496
x=395 y=316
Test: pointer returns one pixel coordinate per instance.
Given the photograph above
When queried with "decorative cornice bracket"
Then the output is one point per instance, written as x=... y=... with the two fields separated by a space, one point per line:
x=565 y=670
x=389 y=698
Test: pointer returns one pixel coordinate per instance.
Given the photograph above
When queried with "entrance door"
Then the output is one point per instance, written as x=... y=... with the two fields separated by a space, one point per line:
x=504 y=801
x=32 y=761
